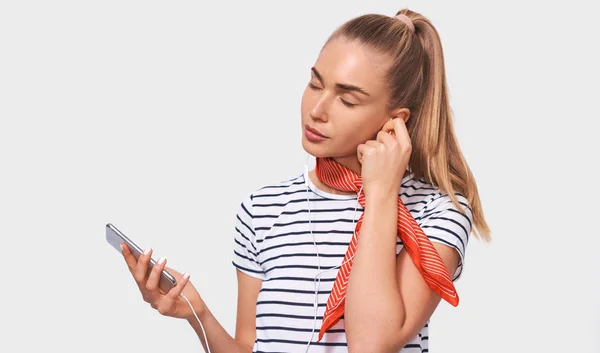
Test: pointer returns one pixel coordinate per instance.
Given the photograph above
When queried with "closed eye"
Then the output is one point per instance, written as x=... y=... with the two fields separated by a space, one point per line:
x=344 y=102
x=347 y=104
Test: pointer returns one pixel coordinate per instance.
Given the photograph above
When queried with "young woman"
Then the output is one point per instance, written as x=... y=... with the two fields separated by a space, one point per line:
x=391 y=201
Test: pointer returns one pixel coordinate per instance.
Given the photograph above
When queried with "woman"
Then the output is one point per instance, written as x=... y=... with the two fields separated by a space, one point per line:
x=376 y=116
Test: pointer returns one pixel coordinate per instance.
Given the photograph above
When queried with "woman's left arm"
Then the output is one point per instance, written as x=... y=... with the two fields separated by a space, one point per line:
x=387 y=300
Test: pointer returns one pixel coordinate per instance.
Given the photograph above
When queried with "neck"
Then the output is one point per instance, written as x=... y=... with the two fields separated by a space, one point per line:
x=350 y=162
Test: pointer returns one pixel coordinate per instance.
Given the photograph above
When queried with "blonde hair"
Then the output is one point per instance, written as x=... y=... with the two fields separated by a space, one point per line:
x=417 y=81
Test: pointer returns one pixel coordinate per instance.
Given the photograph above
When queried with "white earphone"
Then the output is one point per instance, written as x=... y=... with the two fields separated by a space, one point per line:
x=317 y=278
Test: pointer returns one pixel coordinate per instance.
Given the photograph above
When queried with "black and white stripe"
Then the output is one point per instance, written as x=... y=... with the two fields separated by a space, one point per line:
x=273 y=242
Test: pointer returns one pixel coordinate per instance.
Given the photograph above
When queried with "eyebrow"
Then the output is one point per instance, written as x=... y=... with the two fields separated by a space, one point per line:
x=341 y=86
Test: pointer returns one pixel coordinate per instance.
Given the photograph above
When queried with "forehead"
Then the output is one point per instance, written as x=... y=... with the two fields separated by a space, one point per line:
x=350 y=62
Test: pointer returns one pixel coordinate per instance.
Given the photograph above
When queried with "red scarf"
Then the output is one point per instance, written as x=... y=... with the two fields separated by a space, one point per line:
x=419 y=247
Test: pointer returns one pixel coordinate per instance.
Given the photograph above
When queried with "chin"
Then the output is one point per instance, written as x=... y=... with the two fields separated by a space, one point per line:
x=320 y=150
x=314 y=149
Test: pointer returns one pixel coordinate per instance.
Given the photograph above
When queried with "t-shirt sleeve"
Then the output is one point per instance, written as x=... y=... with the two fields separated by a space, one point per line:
x=245 y=249
x=442 y=222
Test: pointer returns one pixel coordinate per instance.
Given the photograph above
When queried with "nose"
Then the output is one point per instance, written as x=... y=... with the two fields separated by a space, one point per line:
x=320 y=110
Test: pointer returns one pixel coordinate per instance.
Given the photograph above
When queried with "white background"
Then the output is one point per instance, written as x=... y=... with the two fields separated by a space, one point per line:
x=160 y=116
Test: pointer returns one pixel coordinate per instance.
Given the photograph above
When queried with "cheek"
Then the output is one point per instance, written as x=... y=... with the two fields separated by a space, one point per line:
x=356 y=127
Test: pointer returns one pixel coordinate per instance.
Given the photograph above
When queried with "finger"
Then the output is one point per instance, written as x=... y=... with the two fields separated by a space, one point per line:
x=141 y=269
x=169 y=299
x=128 y=256
x=154 y=277
x=374 y=144
x=398 y=128
x=385 y=138
x=361 y=150
x=173 y=273
x=176 y=291
x=389 y=126
x=401 y=132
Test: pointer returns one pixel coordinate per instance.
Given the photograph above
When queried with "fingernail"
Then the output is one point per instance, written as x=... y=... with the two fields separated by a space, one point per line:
x=147 y=251
x=186 y=275
x=161 y=260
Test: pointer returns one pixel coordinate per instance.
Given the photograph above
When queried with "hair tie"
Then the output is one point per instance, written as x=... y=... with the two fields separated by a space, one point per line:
x=402 y=17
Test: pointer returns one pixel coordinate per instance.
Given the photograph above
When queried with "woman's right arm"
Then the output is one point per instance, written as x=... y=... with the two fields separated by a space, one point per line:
x=171 y=304
x=245 y=328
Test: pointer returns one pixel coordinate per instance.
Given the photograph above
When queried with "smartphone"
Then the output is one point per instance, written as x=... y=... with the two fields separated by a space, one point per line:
x=115 y=237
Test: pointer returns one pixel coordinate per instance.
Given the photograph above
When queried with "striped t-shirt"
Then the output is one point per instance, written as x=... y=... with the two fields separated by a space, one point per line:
x=273 y=242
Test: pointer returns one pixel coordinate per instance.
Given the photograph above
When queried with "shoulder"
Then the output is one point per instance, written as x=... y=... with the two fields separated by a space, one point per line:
x=422 y=198
x=274 y=194
x=261 y=208
x=443 y=220
x=279 y=188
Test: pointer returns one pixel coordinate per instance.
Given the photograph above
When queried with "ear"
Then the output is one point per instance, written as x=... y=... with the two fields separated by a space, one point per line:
x=402 y=113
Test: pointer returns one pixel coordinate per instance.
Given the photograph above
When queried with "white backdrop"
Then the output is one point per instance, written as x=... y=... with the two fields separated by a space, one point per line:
x=160 y=116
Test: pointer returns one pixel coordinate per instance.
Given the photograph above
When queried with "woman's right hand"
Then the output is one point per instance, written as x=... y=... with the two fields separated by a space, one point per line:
x=168 y=304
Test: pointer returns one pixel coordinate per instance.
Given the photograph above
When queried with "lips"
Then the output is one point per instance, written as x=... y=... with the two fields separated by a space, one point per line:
x=314 y=131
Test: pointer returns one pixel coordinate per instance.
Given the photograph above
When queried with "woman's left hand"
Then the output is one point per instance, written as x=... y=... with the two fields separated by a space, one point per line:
x=385 y=159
